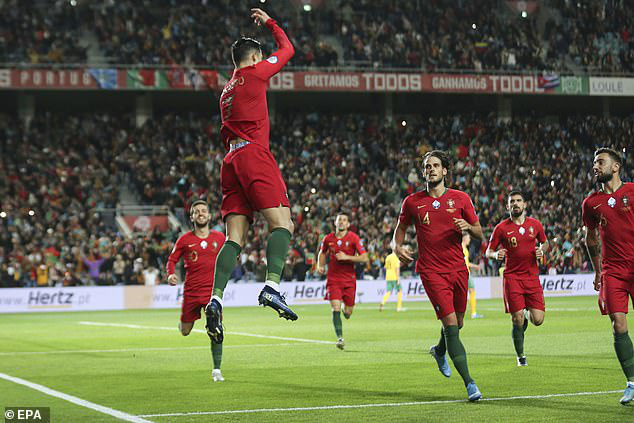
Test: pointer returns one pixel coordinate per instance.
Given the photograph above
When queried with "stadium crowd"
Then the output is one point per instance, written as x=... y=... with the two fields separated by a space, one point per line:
x=481 y=35
x=57 y=175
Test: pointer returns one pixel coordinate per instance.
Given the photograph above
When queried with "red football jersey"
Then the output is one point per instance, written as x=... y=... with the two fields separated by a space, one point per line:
x=341 y=271
x=243 y=106
x=613 y=214
x=200 y=261
x=439 y=241
x=520 y=242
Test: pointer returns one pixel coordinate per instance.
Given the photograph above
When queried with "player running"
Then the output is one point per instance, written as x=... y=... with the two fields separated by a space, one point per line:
x=610 y=212
x=392 y=274
x=344 y=248
x=250 y=178
x=441 y=216
x=199 y=249
x=523 y=243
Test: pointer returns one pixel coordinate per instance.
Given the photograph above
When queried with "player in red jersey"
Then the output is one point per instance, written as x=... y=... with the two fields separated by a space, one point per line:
x=609 y=213
x=250 y=178
x=199 y=249
x=519 y=237
x=344 y=248
x=440 y=216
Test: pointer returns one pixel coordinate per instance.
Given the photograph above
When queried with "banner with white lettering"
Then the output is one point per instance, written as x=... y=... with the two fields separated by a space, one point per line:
x=16 y=300
x=612 y=86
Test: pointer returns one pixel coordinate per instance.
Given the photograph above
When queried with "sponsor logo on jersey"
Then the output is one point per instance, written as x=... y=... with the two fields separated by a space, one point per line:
x=339 y=243
x=522 y=230
x=436 y=204
x=272 y=60
x=203 y=244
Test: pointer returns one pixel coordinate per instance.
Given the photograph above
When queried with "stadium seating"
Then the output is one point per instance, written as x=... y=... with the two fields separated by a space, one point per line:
x=561 y=36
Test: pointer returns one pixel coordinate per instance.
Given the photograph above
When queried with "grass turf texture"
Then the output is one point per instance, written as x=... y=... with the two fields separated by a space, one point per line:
x=386 y=361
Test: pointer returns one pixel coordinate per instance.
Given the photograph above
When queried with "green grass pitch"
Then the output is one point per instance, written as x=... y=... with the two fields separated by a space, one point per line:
x=149 y=372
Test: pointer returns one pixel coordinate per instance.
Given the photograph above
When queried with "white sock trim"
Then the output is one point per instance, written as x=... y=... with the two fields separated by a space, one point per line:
x=274 y=285
x=217 y=298
x=630 y=384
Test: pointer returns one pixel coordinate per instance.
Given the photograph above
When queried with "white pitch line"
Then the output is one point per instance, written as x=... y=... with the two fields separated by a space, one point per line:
x=253 y=335
x=96 y=407
x=122 y=350
x=393 y=404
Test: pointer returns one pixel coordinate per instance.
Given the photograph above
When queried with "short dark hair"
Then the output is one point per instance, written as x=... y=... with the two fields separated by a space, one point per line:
x=516 y=192
x=343 y=213
x=614 y=155
x=242 y=47
x=196 y=203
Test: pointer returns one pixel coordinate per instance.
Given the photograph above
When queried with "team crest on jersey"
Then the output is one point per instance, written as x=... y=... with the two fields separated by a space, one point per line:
x=450 y=203
x=347 y=243
x=203 y=245
x=626 y=201
x=522 y=230
x=611 y=202
x=436 y=204
x=339 y=243
x=531 y=230
x=215 y=244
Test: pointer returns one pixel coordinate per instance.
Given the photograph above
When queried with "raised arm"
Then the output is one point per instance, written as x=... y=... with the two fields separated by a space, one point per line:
x=285 y=50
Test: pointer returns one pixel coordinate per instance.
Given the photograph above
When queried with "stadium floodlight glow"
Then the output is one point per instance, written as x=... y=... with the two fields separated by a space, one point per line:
x=3 y=215
x=73 y=3
x=306 y=209
x=552 y=184
x=313 y=190
x=31 y=213
x=474 y=26
x=308 y=8
x=624 y=149
x=262 y=1
x=524 y=14
x=404 y=123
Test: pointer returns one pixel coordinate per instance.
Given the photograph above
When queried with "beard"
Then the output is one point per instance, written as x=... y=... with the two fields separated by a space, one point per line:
x=434 y=184
x=200 y=225
x=602 y=178
x=516 y=214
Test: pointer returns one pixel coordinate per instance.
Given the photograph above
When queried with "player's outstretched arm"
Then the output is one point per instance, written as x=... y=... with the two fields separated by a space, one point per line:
x=285 y=50
x=592 y=244
x=359 y=258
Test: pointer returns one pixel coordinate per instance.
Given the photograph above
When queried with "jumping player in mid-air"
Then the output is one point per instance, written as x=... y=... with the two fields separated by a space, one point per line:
x=344 y=248
x=523 y=242
x=250 y=178
x=441 y=215
x=609 y=213
x=199 y=249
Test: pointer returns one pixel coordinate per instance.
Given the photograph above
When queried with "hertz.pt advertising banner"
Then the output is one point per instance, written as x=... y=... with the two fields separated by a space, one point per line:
x=20 y=300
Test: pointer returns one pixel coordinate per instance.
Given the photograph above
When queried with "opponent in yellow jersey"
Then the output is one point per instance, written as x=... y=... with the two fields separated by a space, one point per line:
x=466 y=239
x=392 y=274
